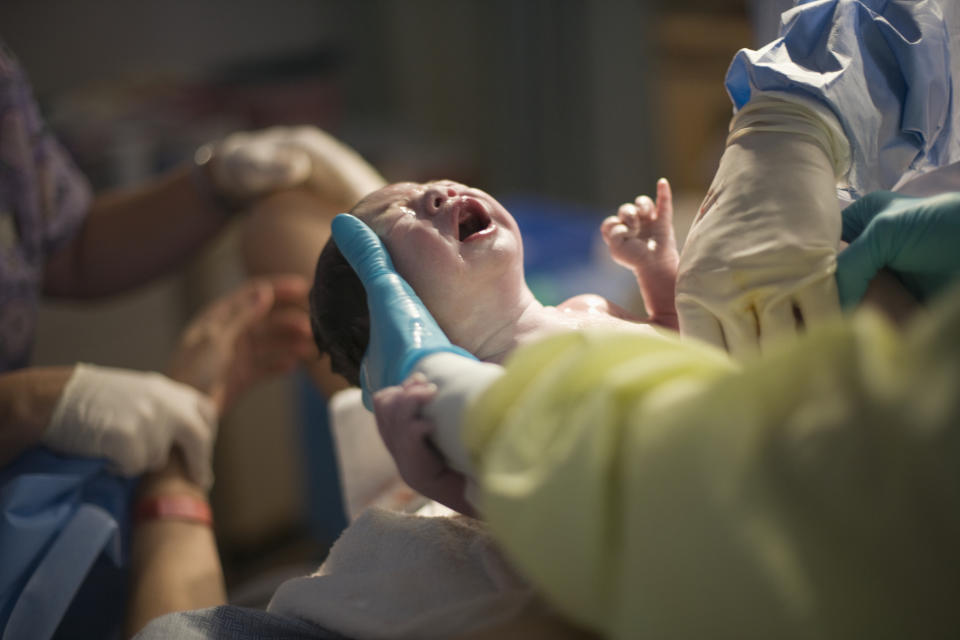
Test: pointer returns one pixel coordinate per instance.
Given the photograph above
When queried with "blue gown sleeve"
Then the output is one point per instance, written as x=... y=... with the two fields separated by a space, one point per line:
x=889 y=71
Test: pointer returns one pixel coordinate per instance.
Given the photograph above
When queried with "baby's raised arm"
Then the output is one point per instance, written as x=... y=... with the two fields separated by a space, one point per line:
x=640 y=237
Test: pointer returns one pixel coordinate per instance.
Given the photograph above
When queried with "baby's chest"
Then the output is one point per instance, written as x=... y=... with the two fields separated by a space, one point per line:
x=592 y=311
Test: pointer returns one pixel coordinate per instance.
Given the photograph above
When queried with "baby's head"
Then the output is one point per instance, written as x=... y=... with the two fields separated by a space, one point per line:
x=339 y=315
x=447 y=240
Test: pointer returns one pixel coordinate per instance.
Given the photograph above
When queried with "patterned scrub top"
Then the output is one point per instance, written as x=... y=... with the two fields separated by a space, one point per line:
x=43 y=201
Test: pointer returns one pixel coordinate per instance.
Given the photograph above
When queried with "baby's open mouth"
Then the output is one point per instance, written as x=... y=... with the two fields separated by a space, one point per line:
x=473 y=219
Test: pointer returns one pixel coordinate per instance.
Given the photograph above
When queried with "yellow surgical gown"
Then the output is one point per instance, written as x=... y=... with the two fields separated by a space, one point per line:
x=653 y=489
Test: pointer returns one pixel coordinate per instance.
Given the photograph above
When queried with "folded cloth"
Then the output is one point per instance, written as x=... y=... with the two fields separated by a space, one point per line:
x=395 y=575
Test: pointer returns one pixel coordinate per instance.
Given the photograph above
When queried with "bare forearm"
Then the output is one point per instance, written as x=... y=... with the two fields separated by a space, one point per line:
x=175 y=568
x=174 y=564
x=133 y=235
x=27 y=401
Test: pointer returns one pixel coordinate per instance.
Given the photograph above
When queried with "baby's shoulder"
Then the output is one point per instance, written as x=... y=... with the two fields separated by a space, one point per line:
x=591 y=303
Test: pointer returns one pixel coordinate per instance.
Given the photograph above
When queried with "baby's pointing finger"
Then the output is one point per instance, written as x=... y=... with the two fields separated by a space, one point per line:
x=664 y=198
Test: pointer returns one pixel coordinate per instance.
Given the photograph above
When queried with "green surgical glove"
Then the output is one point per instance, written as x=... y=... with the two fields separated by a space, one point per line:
x=916 y=238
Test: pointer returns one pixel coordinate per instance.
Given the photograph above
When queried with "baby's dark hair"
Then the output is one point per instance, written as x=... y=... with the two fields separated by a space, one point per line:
x=339 y=315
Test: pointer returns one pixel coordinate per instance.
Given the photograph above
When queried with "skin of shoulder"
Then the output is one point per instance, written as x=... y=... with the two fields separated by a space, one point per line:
x=593 y=304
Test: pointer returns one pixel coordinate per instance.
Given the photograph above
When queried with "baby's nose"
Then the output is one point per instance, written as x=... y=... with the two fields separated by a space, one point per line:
x=436 y=195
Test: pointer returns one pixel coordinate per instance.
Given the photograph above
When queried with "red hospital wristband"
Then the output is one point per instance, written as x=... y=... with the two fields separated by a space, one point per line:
x=174 y=507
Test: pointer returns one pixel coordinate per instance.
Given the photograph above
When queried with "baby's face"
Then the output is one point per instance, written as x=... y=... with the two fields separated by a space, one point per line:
x=445 y=238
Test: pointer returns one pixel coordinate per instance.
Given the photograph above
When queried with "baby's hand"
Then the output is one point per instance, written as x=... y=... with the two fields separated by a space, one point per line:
x=404 y=430
x=640 y=237
x=641 y=233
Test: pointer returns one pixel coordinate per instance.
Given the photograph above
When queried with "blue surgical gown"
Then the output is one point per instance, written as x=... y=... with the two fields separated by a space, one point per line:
x=64 y=531
x=889 y=70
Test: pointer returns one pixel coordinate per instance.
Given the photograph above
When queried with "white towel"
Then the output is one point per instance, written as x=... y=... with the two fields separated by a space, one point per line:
x=395 y=575
x=368 y=475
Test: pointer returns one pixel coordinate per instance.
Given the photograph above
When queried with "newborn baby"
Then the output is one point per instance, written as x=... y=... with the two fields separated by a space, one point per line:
x=462 y=253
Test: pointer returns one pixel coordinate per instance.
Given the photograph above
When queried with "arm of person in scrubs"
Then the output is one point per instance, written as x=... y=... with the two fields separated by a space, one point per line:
x=812 y=493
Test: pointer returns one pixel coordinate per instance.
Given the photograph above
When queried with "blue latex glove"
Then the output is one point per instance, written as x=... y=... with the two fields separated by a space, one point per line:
x=402 y=331
x=916 y=238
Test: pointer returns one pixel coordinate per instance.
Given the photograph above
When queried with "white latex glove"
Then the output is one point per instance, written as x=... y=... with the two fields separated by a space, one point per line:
x=247 y=165
x=762 y=252
x=132 y=418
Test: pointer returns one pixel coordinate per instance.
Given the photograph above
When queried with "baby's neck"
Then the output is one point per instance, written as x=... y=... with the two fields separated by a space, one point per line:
x=526 y=324
x=496 y=328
